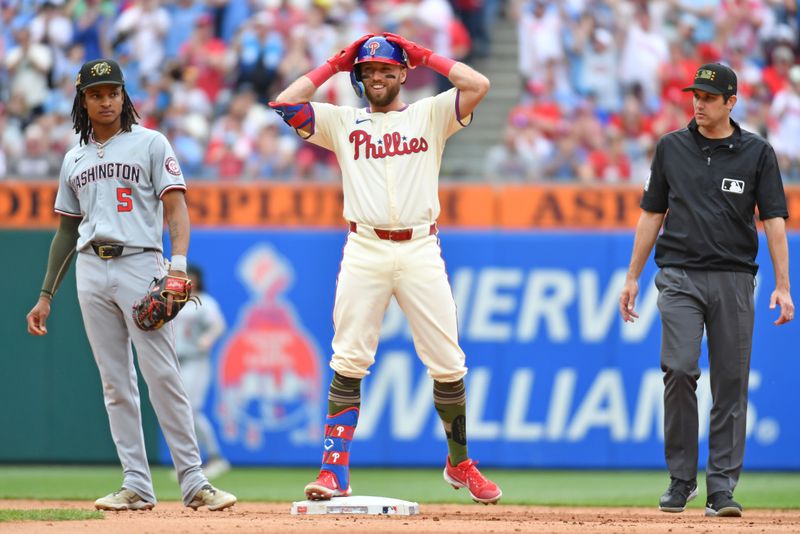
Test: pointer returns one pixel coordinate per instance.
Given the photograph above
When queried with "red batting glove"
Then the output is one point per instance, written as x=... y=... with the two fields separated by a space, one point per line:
x=417 y=54
x=343 y=61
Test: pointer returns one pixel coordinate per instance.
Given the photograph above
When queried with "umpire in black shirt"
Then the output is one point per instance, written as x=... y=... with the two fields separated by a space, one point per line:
x=705 y=182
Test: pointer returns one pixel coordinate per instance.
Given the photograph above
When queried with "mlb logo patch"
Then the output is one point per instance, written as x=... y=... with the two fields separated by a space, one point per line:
x=729 y=185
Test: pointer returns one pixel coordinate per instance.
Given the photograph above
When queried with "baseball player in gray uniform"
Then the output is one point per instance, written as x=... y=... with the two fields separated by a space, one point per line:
x=114 y=190
x=197 y=328
x=390 y=154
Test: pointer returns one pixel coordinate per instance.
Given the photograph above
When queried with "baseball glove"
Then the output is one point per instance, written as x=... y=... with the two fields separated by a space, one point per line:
x=165 y=298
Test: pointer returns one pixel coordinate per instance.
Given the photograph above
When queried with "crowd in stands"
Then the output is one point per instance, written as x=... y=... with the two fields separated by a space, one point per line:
x=600 y=79
x=202 y=72
x=602 y=82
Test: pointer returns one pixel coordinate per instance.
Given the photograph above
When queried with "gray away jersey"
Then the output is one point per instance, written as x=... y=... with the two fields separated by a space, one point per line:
x=119 y=195
x=197 y=328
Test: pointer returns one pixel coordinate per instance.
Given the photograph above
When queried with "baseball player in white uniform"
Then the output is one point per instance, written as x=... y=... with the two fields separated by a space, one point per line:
x=197 y=328
x=115 y=188
x=390 y=153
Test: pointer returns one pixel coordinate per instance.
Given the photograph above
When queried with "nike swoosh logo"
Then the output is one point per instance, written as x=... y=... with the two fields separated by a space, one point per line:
x=79 y=157
x=359 y=121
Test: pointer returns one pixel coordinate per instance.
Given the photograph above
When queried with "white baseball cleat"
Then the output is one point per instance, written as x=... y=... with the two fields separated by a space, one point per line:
x=122 y=499
x=214 y=498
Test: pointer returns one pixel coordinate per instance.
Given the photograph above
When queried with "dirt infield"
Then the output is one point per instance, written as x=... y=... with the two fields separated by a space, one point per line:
x=172 y=518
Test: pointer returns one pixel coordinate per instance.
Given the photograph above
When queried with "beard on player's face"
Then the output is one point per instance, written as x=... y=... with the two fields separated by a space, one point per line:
x=385 y=97
x=382 y=82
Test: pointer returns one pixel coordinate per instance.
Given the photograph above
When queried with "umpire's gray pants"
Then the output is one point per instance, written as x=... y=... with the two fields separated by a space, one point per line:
x=722 y=302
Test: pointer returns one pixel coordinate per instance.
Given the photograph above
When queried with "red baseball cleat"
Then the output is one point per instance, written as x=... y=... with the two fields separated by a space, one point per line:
x=466 y=475
x=325 y=487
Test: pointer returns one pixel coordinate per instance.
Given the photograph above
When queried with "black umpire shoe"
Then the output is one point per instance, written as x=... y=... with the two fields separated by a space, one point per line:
x=721 y=504
x=677 y=495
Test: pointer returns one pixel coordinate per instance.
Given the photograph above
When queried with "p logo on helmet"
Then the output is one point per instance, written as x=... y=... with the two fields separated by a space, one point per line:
x=376 y=49
x=373 y=47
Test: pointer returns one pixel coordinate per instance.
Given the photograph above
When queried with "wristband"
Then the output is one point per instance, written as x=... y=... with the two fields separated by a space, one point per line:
x=178 y=263
x=46 y=294
x=321 y=74
x=442 y=65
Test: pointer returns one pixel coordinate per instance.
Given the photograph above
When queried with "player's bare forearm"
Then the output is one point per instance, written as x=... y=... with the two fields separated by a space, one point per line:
x=472 y=84
x=775 y=230
x=177 y=215
x=300 y=90
x=646 y=233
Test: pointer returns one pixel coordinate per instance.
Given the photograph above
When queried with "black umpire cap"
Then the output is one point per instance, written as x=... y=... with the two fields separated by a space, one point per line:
x=99 y=71
x=714 y=78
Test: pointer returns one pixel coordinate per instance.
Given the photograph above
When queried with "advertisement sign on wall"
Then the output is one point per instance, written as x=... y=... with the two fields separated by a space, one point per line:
x=555 y=378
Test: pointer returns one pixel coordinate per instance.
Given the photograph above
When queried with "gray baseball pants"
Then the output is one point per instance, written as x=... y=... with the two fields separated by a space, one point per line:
x=722 y=303
x=107 y=290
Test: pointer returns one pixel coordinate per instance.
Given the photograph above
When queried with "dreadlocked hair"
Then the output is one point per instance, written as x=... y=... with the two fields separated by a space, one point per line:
x=83 y=126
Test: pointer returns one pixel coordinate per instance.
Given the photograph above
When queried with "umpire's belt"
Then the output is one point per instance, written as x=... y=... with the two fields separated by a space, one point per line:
x=107 y=251
x=402 y=234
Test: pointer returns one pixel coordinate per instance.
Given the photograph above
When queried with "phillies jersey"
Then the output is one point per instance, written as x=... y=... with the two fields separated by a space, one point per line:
x=117 y=188
x=389 y=161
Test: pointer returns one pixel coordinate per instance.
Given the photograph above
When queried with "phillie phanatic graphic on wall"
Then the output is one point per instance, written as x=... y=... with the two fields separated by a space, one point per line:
x=269 y=370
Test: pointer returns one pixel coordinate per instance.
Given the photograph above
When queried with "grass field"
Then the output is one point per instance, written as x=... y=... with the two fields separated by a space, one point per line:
x=559 y=488
x=48 y=514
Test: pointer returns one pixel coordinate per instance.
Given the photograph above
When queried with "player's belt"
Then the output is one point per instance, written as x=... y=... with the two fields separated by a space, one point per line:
x=106 y=251
x=402 y=234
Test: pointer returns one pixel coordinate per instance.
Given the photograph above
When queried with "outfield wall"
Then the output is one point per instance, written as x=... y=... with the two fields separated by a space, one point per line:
x=556 y=379
x=51 y=399
x=26 y=205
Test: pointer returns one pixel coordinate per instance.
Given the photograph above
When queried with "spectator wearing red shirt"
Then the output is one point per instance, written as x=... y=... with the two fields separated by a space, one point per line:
x=543 y=110
x=738 y=23
x=208 y=54
x=471 y=16
x=672 y=116
x=631 y=120
x=635 y=129
x=584 y=123
x=608 y=162
x=675 y=71
x=776 y=75
x=287 y=17
x=460 y=40
x=230 y=145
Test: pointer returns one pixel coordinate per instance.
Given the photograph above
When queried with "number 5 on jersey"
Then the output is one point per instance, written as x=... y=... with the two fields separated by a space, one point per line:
x=124 y=200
